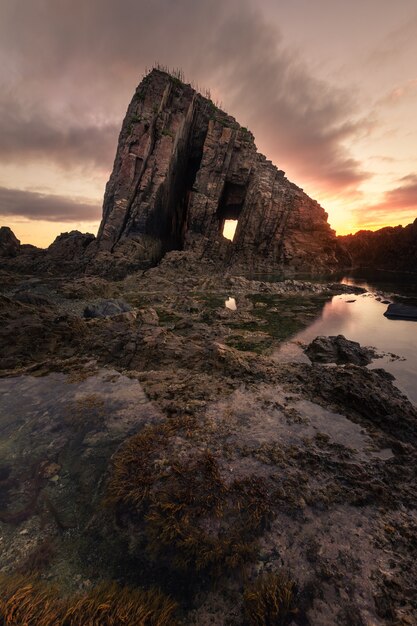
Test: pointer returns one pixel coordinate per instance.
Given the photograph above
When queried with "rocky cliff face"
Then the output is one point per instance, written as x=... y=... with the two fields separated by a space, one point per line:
x=390 y=248
x=183 y=167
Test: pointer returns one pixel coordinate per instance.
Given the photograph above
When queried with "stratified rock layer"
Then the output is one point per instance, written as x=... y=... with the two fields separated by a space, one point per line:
x=183 y=167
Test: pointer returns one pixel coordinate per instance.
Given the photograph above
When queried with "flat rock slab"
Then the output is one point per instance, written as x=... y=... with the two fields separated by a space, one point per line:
x=401 y=311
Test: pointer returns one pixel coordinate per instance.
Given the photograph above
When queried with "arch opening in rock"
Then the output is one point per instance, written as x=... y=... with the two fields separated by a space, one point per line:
x=230 y=208
x=229 y=229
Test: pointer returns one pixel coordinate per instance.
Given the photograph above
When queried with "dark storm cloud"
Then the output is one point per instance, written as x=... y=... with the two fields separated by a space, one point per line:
x=398 y=203
x=302 y=122
x=53 y=208
x=70 y=67
x=29 y=136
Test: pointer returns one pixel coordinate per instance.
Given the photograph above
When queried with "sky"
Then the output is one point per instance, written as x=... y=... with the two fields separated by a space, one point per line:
x=329 y=89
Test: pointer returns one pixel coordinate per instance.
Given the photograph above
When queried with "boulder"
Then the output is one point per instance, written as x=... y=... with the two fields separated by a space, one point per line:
x=106 y=308
x=338 y=349
x=401 y=311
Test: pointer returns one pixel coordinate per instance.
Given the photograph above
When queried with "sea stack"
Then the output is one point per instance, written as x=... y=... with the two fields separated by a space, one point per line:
x=183 y=167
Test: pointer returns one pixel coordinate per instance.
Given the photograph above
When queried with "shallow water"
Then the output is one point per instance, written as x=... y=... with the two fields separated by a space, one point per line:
x=361 y=318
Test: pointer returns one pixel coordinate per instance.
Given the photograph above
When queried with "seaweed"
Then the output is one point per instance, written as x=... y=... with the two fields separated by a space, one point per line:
x=26 y=601
x=269 y=601
x=193 y=521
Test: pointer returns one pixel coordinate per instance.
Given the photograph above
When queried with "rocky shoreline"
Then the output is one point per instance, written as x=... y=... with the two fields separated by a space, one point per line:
x=157 y=444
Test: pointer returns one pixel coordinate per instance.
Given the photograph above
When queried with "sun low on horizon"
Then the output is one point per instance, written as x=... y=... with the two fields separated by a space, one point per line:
x=330 y=100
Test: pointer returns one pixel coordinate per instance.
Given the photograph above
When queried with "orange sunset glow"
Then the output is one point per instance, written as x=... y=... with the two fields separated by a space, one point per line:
x=335 y=111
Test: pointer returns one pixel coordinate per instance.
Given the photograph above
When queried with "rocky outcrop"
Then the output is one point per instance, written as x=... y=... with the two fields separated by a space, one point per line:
x=390 y=248
x=9 y=244
x=69 y=254
x=183 y=167
x=69 y=247
x=338 y=350
x=401 y=311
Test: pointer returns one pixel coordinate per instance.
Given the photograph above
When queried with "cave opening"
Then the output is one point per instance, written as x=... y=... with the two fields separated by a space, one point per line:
x=169 y=224
x=230 y=209
x=188 y=165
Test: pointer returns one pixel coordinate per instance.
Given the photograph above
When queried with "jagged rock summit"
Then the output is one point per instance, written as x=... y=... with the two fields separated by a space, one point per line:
x=183 y=167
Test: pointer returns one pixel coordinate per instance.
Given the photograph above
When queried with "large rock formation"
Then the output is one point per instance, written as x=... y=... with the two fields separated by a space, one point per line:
x=390 y=248
x=183 y=167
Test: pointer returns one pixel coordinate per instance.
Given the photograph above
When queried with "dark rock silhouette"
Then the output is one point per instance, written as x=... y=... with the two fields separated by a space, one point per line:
x=338 y=349
x=9 y=244
x=70 y=246
x=183 y=167
x=401 y=311
x=390 y=248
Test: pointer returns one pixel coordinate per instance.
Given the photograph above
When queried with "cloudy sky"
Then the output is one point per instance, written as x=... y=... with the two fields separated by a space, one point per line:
x=328 y=87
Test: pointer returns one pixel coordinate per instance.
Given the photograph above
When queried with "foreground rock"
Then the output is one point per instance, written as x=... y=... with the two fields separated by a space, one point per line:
x=163 y=447
x=338 y=350
x=183 y=167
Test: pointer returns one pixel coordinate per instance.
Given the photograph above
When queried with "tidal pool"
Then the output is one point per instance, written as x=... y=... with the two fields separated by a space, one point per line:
x=361 y=318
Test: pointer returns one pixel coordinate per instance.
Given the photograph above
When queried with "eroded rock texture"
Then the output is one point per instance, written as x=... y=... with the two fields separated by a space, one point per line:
x=183 y=167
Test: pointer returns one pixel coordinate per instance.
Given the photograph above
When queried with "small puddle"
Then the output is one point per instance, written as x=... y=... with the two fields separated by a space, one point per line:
x=230 y=303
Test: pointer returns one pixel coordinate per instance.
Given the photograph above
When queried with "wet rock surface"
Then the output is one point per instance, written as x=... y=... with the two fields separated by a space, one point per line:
x=163 y=446
x=338 y=350
x=401 y=311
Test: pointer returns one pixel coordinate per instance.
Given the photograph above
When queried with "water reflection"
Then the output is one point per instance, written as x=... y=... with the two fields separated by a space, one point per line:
x=230 y=303
x=363 y=321
x=389 y=282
